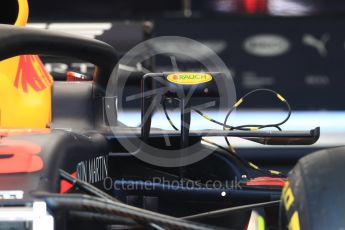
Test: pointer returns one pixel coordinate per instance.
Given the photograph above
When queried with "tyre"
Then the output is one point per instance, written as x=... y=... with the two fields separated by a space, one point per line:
x=314 y=196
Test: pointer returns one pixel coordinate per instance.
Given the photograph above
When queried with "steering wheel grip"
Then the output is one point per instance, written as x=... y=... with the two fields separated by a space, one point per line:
x=16 y=41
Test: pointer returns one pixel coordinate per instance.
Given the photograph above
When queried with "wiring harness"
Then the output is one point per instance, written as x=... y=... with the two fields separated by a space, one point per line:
x=246 y=127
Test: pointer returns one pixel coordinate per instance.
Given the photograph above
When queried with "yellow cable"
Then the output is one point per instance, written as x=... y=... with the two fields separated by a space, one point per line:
x=280 y=97
x=253 y=165
x=274 y=172
x=238 y=103
x=206 y=117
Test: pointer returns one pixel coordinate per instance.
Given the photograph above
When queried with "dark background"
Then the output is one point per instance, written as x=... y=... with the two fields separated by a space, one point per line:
x=309 y=80
x=146 y=9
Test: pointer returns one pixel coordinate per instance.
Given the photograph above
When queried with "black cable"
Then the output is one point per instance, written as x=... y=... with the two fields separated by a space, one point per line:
x=256 y=126
x=95 y=191
x=167 y=115
x=241 y=100
x=101 y=218
x=246 y=127
x=242 y=127
x=241 y=159
x=227 y=211
x=90 y=204
x=245 y=162
x=86 y=186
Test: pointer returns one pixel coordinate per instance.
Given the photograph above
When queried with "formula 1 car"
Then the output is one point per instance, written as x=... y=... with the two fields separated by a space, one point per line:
x=63 y=164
